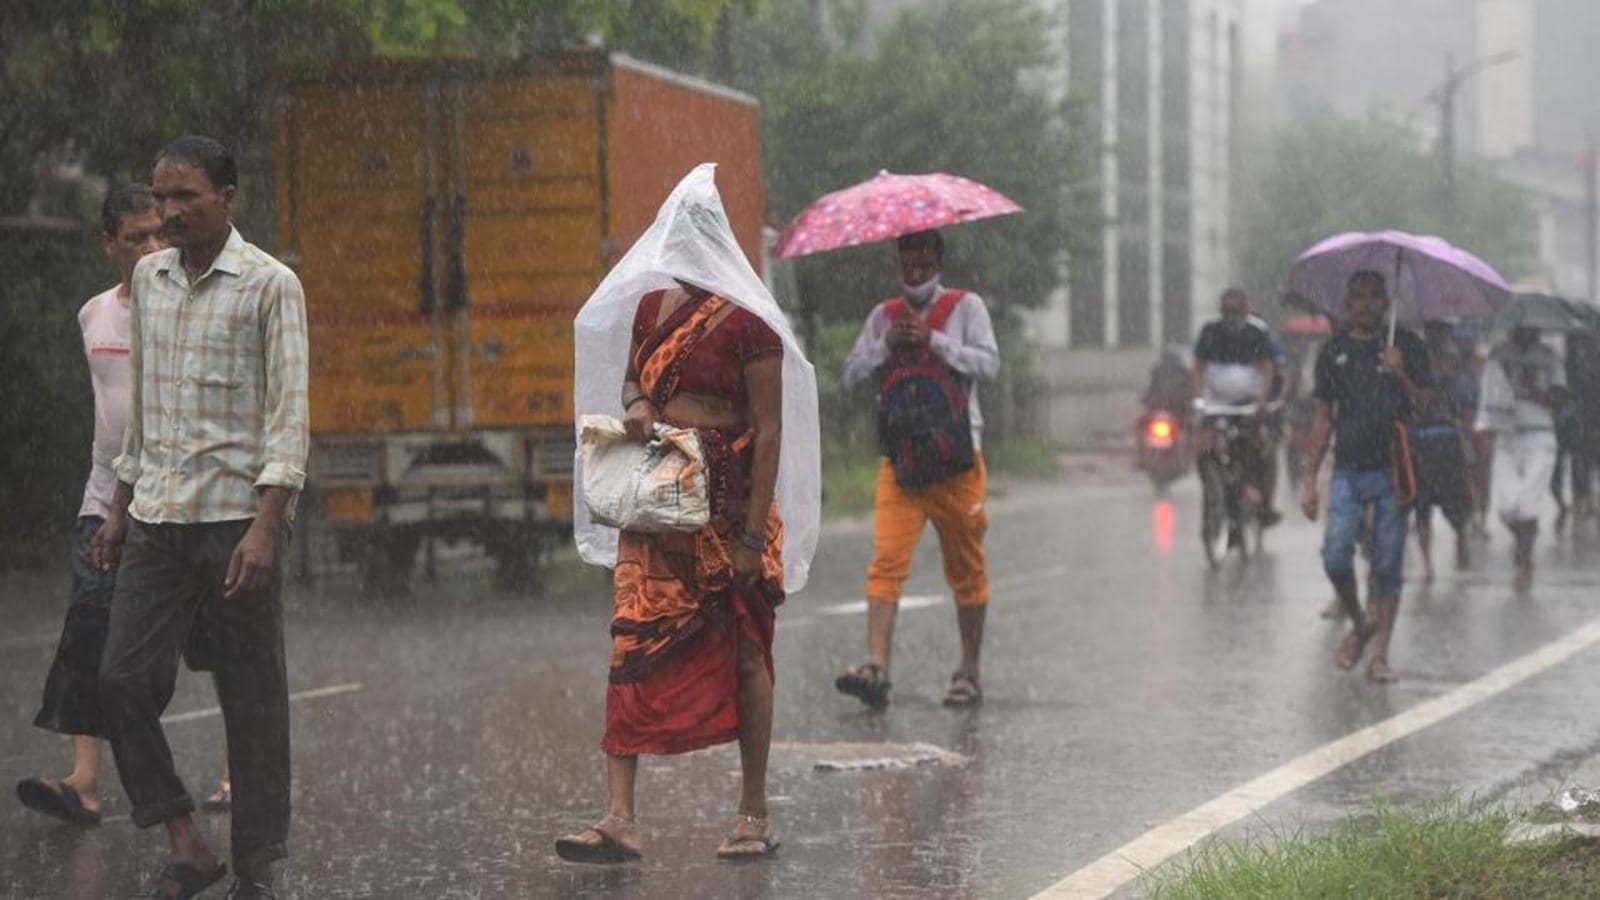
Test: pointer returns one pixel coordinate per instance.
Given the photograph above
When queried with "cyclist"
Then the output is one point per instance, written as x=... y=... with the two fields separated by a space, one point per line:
x=1234 y=366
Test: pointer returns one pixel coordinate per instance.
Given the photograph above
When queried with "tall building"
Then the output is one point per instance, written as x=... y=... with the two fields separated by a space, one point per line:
x=1161 y=79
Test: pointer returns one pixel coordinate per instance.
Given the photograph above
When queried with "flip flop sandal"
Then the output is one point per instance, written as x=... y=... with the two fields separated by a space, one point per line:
x=769 y=846
x=63 y=804
x=964 y=690
x=221 y=801
x=607 y=850
x=867 y=684
x=191 y=882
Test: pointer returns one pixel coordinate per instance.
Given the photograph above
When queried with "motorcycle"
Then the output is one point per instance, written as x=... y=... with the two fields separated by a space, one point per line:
x=1163 y=446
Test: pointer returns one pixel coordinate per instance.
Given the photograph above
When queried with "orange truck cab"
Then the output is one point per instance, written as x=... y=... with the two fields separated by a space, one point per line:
x=447 y=220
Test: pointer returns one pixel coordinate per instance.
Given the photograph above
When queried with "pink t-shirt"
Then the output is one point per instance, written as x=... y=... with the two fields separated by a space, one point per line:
x=107 y=324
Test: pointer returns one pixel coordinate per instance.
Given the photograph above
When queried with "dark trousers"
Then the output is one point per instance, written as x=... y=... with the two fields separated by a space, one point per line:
x=169 y=601
x=71 y=703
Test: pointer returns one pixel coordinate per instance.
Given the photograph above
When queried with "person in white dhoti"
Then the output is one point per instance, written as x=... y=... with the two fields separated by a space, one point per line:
x=1523 y=383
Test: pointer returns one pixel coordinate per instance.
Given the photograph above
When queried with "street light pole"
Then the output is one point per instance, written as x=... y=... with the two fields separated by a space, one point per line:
x=1445 y=96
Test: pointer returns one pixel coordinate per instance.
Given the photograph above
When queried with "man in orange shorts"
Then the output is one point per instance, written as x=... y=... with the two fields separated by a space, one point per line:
x=926 y=349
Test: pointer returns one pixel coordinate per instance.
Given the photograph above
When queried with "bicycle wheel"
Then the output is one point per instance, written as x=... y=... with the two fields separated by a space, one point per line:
x=1213 y=513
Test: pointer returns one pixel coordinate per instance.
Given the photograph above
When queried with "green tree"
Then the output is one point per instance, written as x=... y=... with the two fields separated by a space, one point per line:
x=104 y=84
x=947 y=87
x=1336 y=175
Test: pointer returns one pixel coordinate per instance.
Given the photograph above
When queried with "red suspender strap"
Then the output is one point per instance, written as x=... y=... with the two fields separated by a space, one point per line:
x=943 y=308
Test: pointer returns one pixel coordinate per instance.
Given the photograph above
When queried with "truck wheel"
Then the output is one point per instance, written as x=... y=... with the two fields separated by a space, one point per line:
x=387 y=559
x=519 y=556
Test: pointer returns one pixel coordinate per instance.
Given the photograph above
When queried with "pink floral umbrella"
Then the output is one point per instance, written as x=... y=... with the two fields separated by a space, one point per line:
x=889 y=206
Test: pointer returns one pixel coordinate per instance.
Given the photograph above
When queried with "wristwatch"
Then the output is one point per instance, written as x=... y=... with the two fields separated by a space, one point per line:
x=756 y=542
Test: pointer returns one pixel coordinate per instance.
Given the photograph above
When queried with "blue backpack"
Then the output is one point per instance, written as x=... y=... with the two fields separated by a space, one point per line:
x=924 y=427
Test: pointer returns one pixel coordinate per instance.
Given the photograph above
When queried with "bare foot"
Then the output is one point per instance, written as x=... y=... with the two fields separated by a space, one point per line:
x=610 y=840
x=751 y=839
x=1378 y=672
x=88 y=794
x=1353 y=645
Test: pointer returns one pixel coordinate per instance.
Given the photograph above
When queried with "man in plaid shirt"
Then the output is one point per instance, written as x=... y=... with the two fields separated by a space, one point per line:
x=213 y=458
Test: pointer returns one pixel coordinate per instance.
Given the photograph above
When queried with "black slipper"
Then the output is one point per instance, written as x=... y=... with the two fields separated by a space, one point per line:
x=65 y=804
x=867 y=684
x=964 y=690
x=191 y=882
x=607 y=850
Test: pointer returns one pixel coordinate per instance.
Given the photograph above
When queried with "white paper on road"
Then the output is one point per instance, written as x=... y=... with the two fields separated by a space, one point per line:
x=691 y=241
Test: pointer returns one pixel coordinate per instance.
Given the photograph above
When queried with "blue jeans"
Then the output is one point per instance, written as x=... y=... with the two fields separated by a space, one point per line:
x=1348 y=499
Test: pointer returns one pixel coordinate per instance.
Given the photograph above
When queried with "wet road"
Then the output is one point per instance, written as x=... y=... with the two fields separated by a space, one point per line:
x=442 y=740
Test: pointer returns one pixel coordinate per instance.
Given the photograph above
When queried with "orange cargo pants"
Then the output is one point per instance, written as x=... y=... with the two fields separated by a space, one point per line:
x=956 y=508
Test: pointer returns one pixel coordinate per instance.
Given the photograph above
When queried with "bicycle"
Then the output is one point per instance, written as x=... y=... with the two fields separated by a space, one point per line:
x=1229 y=464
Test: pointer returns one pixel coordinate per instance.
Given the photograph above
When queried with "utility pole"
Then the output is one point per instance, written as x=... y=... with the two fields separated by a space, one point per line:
x=1110 y=176
x=1591 y=216
x=1154 y=171
x=1445 y=96
x=1447 y=131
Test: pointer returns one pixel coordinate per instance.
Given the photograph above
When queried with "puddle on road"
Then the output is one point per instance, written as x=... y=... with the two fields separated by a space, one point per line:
x=868 y=757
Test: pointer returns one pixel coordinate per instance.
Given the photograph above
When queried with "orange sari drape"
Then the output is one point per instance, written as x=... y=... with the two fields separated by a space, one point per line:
x=678 y=616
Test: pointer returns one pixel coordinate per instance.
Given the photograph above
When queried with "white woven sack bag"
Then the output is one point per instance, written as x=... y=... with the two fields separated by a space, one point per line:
x=654 y=487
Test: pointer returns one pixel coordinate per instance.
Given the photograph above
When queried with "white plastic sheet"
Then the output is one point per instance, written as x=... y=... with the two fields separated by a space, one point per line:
x=691 y=241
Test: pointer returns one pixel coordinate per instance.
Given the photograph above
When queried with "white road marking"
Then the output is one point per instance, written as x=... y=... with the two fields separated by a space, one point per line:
x=31 y=640
x=857 y=607
x=1143 y=854
x=312 y=694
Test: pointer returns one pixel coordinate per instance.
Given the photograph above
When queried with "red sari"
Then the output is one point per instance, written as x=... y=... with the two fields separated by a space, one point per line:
x=678 y=617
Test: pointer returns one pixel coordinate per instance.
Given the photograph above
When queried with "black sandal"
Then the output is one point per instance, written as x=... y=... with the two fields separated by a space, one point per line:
x=865 y=682
x=61 y=802
x=964 y=690
x=191 y=882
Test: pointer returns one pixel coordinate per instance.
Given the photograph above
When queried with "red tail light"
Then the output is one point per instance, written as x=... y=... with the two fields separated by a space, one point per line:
x=1160 y=432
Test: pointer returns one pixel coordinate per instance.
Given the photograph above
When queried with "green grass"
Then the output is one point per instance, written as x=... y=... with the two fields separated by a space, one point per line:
x=849 y=481
x=850 y=474
x=1444 y=850
x=1023 y=457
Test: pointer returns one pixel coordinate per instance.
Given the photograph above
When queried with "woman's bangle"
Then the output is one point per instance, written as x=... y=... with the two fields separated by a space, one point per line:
x=752 y=541
x=628 y=403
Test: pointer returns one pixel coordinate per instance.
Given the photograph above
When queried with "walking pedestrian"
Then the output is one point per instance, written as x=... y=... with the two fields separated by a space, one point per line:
x=693 y=613
x=213 y=459
x=71 y=705
x=1365 y=387
x=1438 y=449
x=928 y=348
x=1523 y=384
x=1583 y=408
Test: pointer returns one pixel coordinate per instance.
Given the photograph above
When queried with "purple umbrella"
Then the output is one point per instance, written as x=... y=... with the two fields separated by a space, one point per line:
x=1427 y=277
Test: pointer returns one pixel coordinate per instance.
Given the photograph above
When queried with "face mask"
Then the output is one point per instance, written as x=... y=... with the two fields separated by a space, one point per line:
x=918 y=295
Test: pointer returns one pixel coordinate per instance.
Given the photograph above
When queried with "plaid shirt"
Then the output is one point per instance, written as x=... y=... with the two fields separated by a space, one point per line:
x=219 y=408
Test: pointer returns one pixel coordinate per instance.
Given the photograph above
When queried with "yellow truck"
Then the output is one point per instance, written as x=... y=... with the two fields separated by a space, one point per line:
x=447 y=219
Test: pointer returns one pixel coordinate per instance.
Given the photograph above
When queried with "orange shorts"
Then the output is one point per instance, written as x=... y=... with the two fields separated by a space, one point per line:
x=956 y=508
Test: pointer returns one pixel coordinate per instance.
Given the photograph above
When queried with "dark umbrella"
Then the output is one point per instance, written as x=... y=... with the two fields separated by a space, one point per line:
x=1545 y=312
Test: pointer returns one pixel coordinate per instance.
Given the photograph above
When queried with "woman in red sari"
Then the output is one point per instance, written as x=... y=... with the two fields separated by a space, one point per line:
x=693 y=613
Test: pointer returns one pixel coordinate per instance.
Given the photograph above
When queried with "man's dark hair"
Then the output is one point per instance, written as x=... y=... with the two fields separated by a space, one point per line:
x=206 y=154
x=128 y=200
x=1372 y=277
x=1232 y=292
x=919 y=240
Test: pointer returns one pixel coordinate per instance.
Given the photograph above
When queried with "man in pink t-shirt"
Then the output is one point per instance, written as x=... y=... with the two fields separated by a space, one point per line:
x=71 y=694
